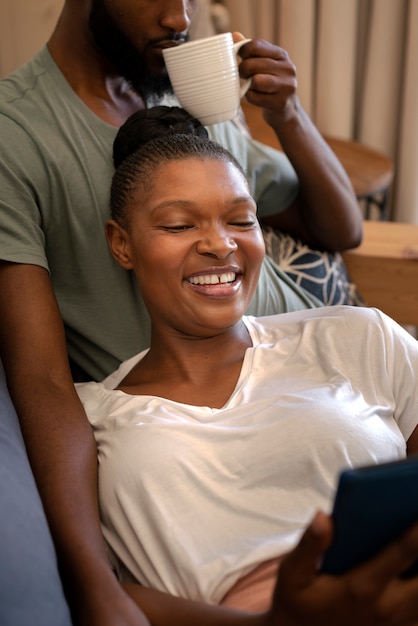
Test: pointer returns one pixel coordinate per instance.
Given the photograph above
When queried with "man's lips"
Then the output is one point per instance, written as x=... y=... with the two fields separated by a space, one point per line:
x=163 y=44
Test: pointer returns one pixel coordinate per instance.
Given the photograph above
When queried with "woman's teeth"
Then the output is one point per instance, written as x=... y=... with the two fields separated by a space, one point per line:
x=213 y=279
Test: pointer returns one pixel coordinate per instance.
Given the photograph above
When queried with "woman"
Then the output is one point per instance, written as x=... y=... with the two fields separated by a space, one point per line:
x=218 y=444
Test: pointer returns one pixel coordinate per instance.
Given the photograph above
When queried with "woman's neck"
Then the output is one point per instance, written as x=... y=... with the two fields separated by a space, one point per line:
x=191 y=370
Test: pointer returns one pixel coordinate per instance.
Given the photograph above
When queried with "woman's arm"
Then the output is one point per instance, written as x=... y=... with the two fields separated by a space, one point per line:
x=165 y=610
x=60 y=444
x=412 y=443
x=370 y=595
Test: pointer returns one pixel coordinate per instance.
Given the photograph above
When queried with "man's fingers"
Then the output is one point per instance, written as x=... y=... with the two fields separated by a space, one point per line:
x=237 y=36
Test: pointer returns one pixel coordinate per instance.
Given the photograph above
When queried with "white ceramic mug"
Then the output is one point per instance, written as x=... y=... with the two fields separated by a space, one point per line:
x=205 y=78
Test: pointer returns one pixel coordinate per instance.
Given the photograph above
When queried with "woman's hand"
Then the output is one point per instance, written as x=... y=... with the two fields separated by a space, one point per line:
x=369 y=595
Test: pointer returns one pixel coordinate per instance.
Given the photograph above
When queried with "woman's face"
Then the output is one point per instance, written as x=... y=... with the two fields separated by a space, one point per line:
x=194 y=244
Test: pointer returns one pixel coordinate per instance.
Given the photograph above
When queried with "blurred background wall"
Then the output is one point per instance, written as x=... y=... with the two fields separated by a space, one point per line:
x=25 y=25
x=357 y=63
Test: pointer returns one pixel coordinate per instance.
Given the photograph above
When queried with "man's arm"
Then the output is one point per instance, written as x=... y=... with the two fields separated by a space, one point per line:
x=60 y=444
x=326 y=214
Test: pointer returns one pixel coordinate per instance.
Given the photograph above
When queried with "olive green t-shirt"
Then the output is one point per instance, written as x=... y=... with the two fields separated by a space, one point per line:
x=55 y=174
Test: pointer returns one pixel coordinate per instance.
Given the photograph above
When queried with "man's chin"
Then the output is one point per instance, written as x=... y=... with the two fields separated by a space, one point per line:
x=151 y=88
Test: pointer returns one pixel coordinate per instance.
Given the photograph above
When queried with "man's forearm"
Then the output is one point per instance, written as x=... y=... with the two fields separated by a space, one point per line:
x=60 y=444
x=327 y=202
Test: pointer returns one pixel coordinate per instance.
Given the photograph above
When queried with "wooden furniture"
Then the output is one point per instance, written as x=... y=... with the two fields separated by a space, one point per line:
x=371 y=173
x=385 y=269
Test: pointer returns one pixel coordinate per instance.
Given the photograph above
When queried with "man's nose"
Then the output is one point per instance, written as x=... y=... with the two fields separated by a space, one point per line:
x=177 y=15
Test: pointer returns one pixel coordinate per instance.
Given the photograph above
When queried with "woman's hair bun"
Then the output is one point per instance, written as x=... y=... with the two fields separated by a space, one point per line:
x=148 y=124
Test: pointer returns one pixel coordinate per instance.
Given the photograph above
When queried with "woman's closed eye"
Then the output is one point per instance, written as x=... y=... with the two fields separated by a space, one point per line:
x=243 y=223
x=175 y=228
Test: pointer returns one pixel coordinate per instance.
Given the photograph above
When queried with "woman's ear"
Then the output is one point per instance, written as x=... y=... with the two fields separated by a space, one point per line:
x=118 y=241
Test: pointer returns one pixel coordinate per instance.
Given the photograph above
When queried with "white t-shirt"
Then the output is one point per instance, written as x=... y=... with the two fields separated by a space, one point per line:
x=193 y=498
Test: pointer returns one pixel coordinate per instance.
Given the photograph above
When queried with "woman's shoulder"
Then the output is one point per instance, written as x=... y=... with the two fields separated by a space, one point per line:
x=329 y=318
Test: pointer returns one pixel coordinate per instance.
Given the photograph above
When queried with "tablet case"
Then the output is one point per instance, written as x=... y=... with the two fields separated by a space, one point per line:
x=374 y=505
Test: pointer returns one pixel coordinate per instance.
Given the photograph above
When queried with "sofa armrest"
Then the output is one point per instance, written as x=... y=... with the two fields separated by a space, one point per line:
x=385 y=269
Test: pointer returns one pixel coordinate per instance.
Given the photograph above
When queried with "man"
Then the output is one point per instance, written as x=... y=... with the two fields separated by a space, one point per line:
x=58 y=118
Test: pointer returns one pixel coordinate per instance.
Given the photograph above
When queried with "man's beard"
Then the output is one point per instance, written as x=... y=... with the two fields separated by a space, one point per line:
x=130 y=62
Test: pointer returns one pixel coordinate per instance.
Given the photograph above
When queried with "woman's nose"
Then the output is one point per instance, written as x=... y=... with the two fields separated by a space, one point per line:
x=177 y=15
x=216 y=243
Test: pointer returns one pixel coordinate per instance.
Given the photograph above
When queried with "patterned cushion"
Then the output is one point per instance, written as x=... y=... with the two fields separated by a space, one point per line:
x=323 y=274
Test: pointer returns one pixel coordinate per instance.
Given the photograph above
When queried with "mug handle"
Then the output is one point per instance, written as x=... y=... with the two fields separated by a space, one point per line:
x=245 y=84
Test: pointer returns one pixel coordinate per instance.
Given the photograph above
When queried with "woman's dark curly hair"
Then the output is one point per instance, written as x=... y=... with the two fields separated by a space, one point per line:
x=149 y=138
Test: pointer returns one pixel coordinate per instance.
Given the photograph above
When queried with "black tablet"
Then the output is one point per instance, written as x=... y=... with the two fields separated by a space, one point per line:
x=373 y=506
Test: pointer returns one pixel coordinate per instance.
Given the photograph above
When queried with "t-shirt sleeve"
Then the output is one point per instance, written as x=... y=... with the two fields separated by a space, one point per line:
x=22 y=182
x=271 y=177
x=401 y=362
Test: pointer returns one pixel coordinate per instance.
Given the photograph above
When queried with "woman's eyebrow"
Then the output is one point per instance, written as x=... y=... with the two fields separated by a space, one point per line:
x=168 y=204
x=185 y=203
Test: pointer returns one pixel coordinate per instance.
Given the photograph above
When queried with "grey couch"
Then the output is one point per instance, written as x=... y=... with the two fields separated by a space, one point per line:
x=30 y=587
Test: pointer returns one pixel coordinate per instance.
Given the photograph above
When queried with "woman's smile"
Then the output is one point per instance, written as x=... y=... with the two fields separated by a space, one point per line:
x=213 y=279
x=218 y=284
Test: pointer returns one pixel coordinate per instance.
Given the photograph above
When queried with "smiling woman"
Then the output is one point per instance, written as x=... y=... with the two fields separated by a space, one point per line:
x=219 y=443
x=204 y=240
